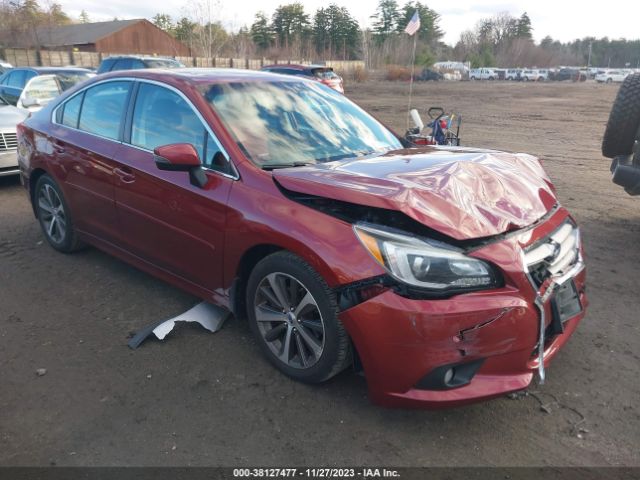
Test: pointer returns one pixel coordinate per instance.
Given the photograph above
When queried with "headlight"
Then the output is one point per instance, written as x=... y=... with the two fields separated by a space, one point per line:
x=426 y=264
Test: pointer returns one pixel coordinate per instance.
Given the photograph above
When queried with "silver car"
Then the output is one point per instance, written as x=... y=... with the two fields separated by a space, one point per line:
x=10 y=116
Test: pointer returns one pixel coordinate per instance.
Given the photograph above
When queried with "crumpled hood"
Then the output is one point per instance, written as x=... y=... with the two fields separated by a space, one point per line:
x=463 y=193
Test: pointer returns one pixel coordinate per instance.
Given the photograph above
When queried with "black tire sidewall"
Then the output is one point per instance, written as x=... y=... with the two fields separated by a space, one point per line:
x=68 y=243
x=335 y=341
x=624 y=120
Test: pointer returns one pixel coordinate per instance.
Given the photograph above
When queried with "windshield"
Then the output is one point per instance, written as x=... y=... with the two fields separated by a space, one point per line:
x=286 y=123
x=69 y=79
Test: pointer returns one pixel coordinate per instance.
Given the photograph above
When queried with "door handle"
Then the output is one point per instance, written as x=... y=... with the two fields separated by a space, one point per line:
x=58 y=147
x=125 y=174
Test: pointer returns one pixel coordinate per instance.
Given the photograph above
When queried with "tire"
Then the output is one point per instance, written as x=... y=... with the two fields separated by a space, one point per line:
x=473 y=78
x=609 y=80
x=54 y=216
x=491 y=78
x=623 y=127
x=319 y=346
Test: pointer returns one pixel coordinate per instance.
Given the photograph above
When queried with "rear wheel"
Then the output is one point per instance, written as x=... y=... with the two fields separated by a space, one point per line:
x=294 y=316
x=623 y=127
x=54 y=216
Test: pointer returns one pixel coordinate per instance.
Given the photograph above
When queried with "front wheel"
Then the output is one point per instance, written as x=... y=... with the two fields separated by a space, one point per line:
x=54 y=216
x=294 y=316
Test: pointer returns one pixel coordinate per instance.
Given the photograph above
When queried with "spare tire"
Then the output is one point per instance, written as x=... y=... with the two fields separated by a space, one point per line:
x=624 y=120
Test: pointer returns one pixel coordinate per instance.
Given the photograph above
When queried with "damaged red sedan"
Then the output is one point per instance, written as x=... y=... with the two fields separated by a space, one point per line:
x=447 y=275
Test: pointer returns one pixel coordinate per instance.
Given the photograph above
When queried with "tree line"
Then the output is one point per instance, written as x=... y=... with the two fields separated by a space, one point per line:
x=332 y=32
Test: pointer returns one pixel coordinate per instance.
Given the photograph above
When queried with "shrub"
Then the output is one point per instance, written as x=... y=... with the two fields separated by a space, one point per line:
x=396 y=72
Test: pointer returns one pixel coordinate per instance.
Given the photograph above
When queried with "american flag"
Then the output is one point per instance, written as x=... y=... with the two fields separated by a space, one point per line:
x=414 y=24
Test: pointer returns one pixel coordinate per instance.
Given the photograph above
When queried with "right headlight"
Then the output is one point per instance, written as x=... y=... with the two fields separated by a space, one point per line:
x=426 y=264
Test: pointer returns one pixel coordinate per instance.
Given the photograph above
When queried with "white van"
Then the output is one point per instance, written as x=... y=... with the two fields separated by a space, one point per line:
x=483 y=74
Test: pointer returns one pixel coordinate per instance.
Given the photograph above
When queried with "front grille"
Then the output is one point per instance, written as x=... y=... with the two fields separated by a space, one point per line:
x=554 y=255
x=8 y=141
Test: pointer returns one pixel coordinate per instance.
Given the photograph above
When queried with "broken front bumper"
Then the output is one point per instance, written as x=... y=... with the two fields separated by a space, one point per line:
x=491 y=336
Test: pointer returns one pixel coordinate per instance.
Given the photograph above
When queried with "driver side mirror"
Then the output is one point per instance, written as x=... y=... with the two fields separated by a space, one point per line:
x=181 y=157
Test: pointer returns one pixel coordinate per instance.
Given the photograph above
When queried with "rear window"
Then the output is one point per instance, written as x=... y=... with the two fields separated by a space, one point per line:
x=69 y=79
x=325 y=73
x=163 y=63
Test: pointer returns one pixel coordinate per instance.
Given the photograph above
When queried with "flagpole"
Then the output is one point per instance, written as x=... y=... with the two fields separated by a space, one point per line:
x=413 y=65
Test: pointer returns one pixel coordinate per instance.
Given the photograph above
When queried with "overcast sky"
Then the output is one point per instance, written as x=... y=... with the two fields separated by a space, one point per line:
x=563 y=20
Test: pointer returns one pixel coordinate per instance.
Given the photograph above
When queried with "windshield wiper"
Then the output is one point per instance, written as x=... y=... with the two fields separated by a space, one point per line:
x=274 y=166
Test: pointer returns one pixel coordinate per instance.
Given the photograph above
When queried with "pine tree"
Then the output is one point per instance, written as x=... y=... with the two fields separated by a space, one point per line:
x=261 y=31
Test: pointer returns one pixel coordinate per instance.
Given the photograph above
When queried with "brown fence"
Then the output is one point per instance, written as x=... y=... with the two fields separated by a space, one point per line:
x=20 y=57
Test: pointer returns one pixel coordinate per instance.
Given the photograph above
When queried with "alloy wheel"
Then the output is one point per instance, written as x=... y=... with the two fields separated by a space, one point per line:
x=289 y=320
x=52 y=214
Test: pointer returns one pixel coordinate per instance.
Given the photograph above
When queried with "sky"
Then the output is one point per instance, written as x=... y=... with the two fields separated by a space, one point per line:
x=561 y=19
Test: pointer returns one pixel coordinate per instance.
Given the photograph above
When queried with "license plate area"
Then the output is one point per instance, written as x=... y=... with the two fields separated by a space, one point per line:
x=565 y=304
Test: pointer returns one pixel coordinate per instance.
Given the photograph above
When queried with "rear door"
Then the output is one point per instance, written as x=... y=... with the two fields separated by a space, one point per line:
x=166 y=220
x=86 y=137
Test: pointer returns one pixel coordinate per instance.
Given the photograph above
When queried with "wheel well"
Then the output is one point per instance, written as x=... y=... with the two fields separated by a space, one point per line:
x=248 y=261
x=33 y=179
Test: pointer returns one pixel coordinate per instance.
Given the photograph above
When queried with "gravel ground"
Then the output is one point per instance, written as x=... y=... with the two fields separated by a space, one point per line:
x=202 y=399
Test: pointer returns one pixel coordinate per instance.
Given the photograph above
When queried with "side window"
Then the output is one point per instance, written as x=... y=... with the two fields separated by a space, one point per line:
x=162 y=117
x=214 y=158
x=103 y=108
x=16 y=79
x=71 y=111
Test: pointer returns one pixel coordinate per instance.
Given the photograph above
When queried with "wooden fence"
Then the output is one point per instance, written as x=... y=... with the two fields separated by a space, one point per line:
x=20 y=57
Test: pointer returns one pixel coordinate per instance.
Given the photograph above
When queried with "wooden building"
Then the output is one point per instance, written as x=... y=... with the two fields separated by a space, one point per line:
x=118 y=36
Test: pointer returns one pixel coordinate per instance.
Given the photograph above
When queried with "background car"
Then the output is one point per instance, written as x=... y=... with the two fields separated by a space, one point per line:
x=129 y=62
x=12 y=83
x=611 y=76
x=321 y=73
x=10 y=116
x=513 y=74
x=483 y=74
x=568 y=73
x=428 y=74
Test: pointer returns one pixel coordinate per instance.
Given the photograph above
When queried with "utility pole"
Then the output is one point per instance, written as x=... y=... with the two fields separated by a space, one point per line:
x=589 y=61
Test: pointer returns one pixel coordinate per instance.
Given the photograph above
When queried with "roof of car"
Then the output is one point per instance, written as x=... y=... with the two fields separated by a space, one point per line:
x=295 y=66
x=140 y=57
x=201 y=75
x=55 y=69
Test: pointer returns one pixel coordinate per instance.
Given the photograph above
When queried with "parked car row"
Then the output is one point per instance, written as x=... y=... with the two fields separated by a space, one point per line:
x=525 y=74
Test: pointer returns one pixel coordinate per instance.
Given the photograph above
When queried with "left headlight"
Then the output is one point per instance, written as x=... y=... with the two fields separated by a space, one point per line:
x=426 y=264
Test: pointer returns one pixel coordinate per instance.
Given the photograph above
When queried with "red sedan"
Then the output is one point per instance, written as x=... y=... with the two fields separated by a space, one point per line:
x=447 y=275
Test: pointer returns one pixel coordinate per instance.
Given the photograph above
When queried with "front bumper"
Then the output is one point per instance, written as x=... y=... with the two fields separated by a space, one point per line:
x=401 y=340
x=8 y=163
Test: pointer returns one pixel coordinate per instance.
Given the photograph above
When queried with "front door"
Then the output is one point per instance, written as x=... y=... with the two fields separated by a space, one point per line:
x=164 y=219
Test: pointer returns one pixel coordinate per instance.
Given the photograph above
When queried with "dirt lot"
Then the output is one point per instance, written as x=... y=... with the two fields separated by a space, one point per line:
x=202 y=399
